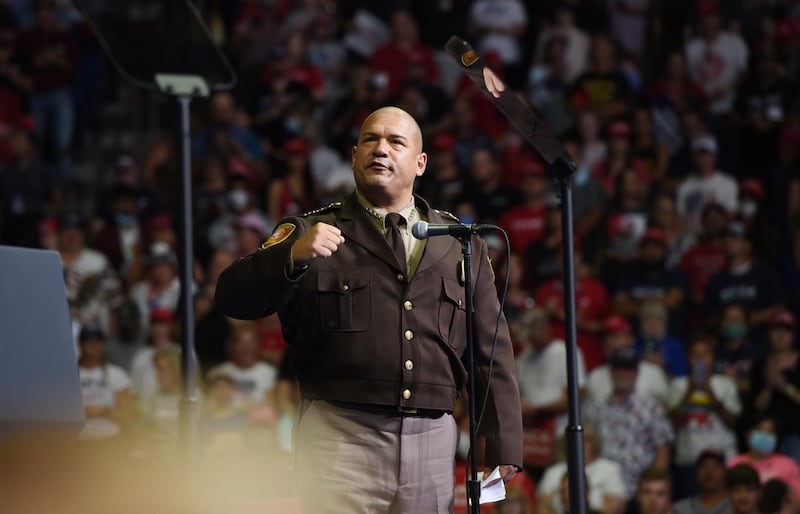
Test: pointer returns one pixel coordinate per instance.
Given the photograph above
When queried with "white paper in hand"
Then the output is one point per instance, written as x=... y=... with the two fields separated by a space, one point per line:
x=492 y=487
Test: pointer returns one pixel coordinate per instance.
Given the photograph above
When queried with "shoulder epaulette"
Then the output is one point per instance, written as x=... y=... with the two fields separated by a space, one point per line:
x=321 y=210
x=448 y=215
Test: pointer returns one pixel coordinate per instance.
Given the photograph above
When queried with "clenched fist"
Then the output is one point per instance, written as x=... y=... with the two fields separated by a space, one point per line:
x=321 y=241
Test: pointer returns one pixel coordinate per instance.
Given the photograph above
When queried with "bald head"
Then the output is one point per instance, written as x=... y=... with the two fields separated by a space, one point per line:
x=412 y=127
x=388 y=158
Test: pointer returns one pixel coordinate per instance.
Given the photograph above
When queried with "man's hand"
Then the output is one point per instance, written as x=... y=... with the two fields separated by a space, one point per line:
x=507 y=471
x=321 y=241
x=493 y=83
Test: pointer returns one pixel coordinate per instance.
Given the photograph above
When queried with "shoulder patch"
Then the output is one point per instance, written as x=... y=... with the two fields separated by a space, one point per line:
x=448 y=215
x=279 y=235
x=327 y=208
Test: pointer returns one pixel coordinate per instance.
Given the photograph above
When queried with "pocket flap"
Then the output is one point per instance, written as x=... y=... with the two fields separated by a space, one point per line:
x=453 y=292
x=343 y=282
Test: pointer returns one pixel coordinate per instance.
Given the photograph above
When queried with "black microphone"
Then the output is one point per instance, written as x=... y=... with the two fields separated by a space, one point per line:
x=424 y=230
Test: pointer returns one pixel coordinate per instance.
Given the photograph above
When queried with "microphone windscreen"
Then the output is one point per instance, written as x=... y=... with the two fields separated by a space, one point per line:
x=420 y=230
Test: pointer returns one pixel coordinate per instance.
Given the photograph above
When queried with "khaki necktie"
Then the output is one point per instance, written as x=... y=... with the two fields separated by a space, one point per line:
x=395 y=238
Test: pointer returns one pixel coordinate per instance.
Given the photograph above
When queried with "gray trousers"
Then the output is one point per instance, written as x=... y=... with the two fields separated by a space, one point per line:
x=354 y=462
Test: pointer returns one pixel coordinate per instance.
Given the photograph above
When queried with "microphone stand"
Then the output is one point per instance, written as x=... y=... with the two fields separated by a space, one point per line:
x=473 y=484
x=563 y=169
x=550 y=149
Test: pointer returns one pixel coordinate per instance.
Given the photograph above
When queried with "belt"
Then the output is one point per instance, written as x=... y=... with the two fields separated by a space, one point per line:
x=389 y=410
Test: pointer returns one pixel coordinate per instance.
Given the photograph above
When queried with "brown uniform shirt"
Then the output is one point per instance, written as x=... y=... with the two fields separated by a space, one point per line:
x=366 y=333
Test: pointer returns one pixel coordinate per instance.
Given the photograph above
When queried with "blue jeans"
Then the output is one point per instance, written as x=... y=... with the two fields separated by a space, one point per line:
x=54 y=114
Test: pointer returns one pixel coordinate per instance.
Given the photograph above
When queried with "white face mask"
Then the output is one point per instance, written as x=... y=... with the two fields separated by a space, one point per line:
x=748 y=209
x=238 y=199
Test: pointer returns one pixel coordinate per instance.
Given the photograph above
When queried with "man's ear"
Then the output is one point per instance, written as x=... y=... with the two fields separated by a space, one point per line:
x=422 y=163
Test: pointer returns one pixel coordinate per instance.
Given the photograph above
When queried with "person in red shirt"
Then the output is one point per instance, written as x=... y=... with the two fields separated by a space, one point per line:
x=592 y=306
x=404 y=50
x=707 y=256
x=525 y=223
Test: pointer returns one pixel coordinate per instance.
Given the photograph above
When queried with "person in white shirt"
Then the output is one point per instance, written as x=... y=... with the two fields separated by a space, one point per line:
x=106 y=388
x=606 y=488
x=576 y=52
x=707 y=185
x=144 y=375
x=254 y=378
x=501 y=22
x=704 y=406
x=542 y=369
x=716 y=59
x=651 y=380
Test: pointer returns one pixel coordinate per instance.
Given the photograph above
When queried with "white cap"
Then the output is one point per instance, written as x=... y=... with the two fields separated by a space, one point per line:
x=704 y=142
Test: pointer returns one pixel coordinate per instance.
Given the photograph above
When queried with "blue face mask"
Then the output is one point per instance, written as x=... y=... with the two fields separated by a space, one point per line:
x=124 y=220
x=762 y=442
x=581 y=176
x=732 y=332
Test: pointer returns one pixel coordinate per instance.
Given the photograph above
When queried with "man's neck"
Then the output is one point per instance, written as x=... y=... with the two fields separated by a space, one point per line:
x=387 y=203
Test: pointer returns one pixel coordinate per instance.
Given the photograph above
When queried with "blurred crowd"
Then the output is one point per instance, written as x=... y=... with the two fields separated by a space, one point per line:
x=683 y=120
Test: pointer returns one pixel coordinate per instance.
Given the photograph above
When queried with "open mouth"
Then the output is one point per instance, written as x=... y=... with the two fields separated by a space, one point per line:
x=379 y=166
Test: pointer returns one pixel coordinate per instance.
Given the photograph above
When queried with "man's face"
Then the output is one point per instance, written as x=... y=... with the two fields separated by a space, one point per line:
x=624 y=379
x=388 y=157
x=744 y=498
x=710 y=473
x=705 y=161
x=654 y=497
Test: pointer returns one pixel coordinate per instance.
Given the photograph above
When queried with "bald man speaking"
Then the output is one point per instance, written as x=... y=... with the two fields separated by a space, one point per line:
x=376 y=319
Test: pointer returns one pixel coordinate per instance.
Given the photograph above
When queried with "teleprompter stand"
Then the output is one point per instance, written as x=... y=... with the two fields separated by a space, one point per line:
x=164 y=45
x=537 y=133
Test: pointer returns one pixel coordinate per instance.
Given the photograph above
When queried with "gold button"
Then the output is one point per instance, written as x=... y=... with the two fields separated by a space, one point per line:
x=409 y=365
x=345 y=287
x=400 y=277
x=406 y=394
x=407 y=305
x=409 y=335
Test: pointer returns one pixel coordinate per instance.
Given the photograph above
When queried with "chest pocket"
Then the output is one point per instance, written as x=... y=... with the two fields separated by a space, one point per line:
x=345 y=300
x=452 y=314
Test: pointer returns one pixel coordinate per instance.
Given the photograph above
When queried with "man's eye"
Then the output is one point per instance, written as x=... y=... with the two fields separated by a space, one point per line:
x=398 y=142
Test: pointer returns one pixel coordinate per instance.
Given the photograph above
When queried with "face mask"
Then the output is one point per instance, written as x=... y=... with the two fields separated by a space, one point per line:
x=238 y=199
x=292 y=125
x=124 y=220
x=762 y=442
x=748 y=209
x=581 y=175
x=732 y=332
x=536 y=75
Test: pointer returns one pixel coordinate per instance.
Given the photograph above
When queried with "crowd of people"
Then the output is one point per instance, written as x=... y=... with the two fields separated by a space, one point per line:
x=683 y=120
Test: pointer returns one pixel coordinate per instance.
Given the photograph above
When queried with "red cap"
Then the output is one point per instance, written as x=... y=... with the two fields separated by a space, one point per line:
x=48 y=225
x=160 y=314
x=619 y=129
x=532 y=168
x=654 y=235
x=443 y=141
x=159 y=222
x=616 y=325
x=753 y=187
x=783 y=319
x=706 y=7
x=295 y=145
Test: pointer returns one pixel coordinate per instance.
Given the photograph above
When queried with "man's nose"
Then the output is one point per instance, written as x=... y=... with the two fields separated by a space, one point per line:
x=380 y=148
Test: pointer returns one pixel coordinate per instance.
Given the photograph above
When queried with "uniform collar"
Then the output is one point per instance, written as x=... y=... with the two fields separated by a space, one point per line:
x=409 y=212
